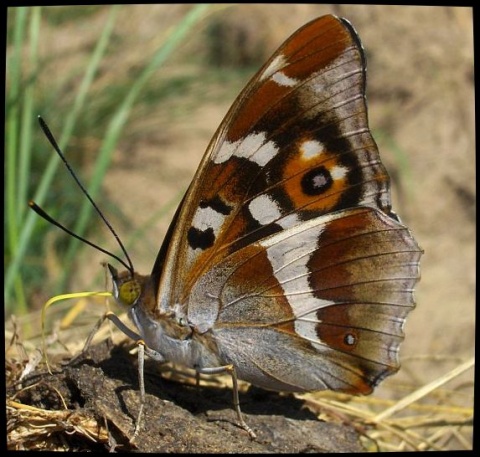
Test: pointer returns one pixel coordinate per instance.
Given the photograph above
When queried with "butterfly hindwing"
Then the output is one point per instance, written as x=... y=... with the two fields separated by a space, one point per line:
x=337 y=288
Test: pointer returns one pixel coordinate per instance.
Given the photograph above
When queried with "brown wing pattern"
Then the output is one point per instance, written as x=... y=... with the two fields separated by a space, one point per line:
x=295 y=145
x=328 y=298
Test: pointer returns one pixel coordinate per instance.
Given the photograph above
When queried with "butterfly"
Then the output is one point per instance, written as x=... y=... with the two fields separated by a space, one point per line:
x=284 y=264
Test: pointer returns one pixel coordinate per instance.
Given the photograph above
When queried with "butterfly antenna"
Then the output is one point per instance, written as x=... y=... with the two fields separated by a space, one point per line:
x=50 y=219
x=44 y=215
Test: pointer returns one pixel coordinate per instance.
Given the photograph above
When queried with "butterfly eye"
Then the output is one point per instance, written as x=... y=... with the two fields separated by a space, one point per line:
x=129 y=292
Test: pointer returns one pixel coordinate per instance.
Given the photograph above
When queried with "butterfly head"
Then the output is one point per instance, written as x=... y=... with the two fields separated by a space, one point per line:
x=127 y=286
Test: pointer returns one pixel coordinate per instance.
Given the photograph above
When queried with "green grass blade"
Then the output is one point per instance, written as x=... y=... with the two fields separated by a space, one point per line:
x=18 y=251
x=121 y=117
x=12 y=127
x=28 y=117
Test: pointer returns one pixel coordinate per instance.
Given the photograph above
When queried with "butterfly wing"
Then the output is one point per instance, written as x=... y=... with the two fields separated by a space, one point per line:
x=320 y=305
x=285 y=248
x=295 y=145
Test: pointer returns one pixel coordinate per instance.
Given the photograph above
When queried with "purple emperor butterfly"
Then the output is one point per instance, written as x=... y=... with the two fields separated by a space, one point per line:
x=285 y=265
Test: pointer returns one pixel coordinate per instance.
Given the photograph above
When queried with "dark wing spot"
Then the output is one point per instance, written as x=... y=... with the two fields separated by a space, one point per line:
x=316 y=181
x=217 y=204
x=202 y=239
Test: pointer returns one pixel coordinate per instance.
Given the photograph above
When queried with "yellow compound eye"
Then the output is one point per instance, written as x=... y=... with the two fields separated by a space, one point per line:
x=129 y=292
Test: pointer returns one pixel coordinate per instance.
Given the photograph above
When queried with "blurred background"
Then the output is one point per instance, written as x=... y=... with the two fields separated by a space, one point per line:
x=134 y=93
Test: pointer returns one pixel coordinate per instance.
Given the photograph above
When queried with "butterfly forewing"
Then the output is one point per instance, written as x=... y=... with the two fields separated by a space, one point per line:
x=295 y=145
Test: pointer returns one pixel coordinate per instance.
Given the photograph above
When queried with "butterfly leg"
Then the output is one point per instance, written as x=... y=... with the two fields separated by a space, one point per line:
x=142 y=350
x=141 y=383
x=230 y=369
x=88 y=342
x=197 y=381
x=116 y=321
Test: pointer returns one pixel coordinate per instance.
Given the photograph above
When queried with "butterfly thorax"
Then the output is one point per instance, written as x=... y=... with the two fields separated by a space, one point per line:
x=171 y=335
x=169 y=332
